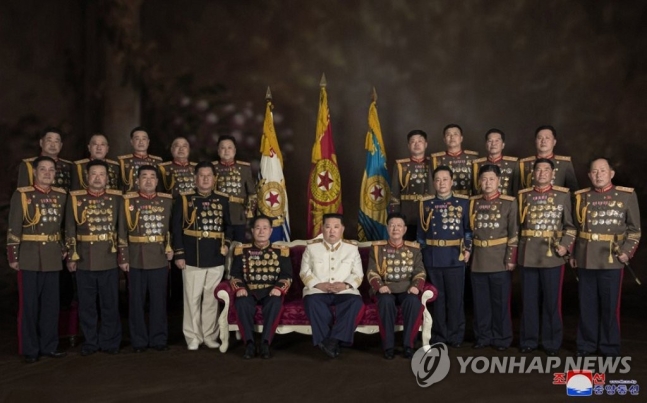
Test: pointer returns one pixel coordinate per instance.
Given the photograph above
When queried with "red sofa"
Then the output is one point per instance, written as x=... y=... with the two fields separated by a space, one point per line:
x=293 y=317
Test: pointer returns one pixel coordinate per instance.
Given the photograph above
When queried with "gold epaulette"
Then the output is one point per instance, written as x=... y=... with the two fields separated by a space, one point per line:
x=582 y=191
x=220 y=193
x=460 y=196
x=155 y=157
x=59 y=190
x=479 y=160
x=625 y=189
x=187 y=192
x=193 y=164
x=507 y=158
x=29 y=159
x=130 y=195
x=165 y=195
x=412 y=244
x=508 y=198
x=561 y=189
x=243 y=163
x=313 y=241
x=165 y=163
x=529 y=159
x=562 y=157
x=113 y=162
x=239 y=248
x=470 y=152
x=114 y=192
x=400 y=161
x=378 y=243
x=476 y=197
x=123 y=157
x=526 y=190
x=79 y=192
x=430 y=197
x=350 y=241
x=439 y=154
x=83 y=161
x=66 y=161
x=285 y=250
x=25 y=189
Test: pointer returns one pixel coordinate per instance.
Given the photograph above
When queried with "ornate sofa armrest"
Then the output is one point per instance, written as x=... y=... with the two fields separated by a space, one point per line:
x=429 y=294
x=224 y=293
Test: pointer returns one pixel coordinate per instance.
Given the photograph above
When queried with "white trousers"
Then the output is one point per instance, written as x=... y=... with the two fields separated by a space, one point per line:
x=200 y=304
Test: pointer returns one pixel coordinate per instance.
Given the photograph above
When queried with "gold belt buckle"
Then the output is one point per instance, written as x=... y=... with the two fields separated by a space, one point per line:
x=537 y=234
x=103 y=237
x=205 y=234
x=441 y=242
x=484 y=244
x=51 y=238
x=151 y=238
x=595 y=237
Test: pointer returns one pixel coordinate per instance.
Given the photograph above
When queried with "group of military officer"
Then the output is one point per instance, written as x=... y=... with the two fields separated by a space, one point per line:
x=498 y=212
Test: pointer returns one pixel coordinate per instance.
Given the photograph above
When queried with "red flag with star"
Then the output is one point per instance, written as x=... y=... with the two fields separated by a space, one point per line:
x=324 y=184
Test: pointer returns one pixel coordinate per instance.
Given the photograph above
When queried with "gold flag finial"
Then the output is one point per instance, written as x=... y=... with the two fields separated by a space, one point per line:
x=268 y=94
x=374 y=95
x=323 y=83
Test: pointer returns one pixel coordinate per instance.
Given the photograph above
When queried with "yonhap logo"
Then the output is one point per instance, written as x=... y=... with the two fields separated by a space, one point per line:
x=430 y=364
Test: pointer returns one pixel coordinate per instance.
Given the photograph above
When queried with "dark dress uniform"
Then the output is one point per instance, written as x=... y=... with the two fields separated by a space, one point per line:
x=147 y=229
x=259 y=271
x=608 y=225
x=446 y=234
x=129 y=168
x=91 y=225
x=235 y=179
x=510 y=178
x=461 y=164
x=34 y=241
x=62 y=179
x=80 y=175
x=177 y=177
x=411 y=181
x=546 y=220
x=398 y=268
x=494 y=222
x=563 y=174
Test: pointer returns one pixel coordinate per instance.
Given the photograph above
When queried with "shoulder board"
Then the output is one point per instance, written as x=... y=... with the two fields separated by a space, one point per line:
x=412 y=244
x=66 y=161
x=313 y=241
x=123 y=157
x=476 y=197
x=114 y=192
x=562 y=158
x=458 y=196
x=350 y=241
x=438 y=154
x=25 y=189
x=625 y=189
x=526 y=190
x=83 y=161
x=165 y=195
x=239 y=248
x=112 y=162
x=29 y=159
x=59 y=190
x=430 y=197
x=187 y=192
x=193 y=164
x=243 y=163
x=155 y=157
x=221 y=193
x=529 y=159
x=130 y=195
x=583 y=191
x=508 y=198
x=470 y=152
x=78 y=192
x=479 y=160
x=561 y=189
x=400 y=161
x=378 y=243
x=165 y=163
x=285 y=250
x=507 y=158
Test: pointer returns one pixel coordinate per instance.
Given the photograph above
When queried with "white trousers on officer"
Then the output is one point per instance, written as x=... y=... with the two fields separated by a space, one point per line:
x=200 y=304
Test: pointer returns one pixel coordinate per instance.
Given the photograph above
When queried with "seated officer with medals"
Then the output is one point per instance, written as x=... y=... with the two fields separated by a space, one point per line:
x=447 y=238
x=396 y=275
x=547 y=234
x=260 y=275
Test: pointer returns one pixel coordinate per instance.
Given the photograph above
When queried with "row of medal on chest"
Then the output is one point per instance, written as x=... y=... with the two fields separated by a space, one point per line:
x=230 y=184
x=399 y=264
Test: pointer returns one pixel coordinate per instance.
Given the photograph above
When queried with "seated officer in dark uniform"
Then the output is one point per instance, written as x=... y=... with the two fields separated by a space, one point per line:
x=447 y=238
x=260 y=274
x=396 y=275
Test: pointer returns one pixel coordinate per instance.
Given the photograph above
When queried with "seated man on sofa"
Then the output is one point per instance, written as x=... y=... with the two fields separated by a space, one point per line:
x=260 y=274
x=397 y=276
x=331 y=271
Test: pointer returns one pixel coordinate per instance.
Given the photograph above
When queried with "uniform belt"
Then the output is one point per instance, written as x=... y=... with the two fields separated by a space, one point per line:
x=531 y=233
x=204 y=234
x=146 y=239
x=235 y=199
x=490 y=242
x=600 y=237
x=95 y=238
x=41 y=238
x=259 y=286
x=411 y=197
x=443 y=242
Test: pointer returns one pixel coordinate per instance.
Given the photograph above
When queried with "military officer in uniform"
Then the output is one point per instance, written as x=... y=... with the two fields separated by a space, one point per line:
x=129 y=164
x=447 y=238
x=178 y=175
x=494 y=220
x=34 y=250
x=608 y=223
x=145 y=259
x=547 y=235
x=331 y=271
x=410 y=181
x=564 y=173
x=98 y=148
x=235 y=179
x=201 y=238
x=261 y=274
x=459 y=160
x=494 y=144
x=92 y=219
x=51 y=143
x=397 y=276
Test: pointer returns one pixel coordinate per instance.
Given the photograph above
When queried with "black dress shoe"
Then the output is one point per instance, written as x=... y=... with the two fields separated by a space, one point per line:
x=87 y=351
x=30 y=359
x=500 y=348
x=551 y=353
x=139 y=349
x=112 y=351
x=477 y=346
x=162 y=347
x=265 y=351
x=329 y=347
x=389 y=354
x=407 y=352
x=55 y=354
x=250 y=351
x=526 y=350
